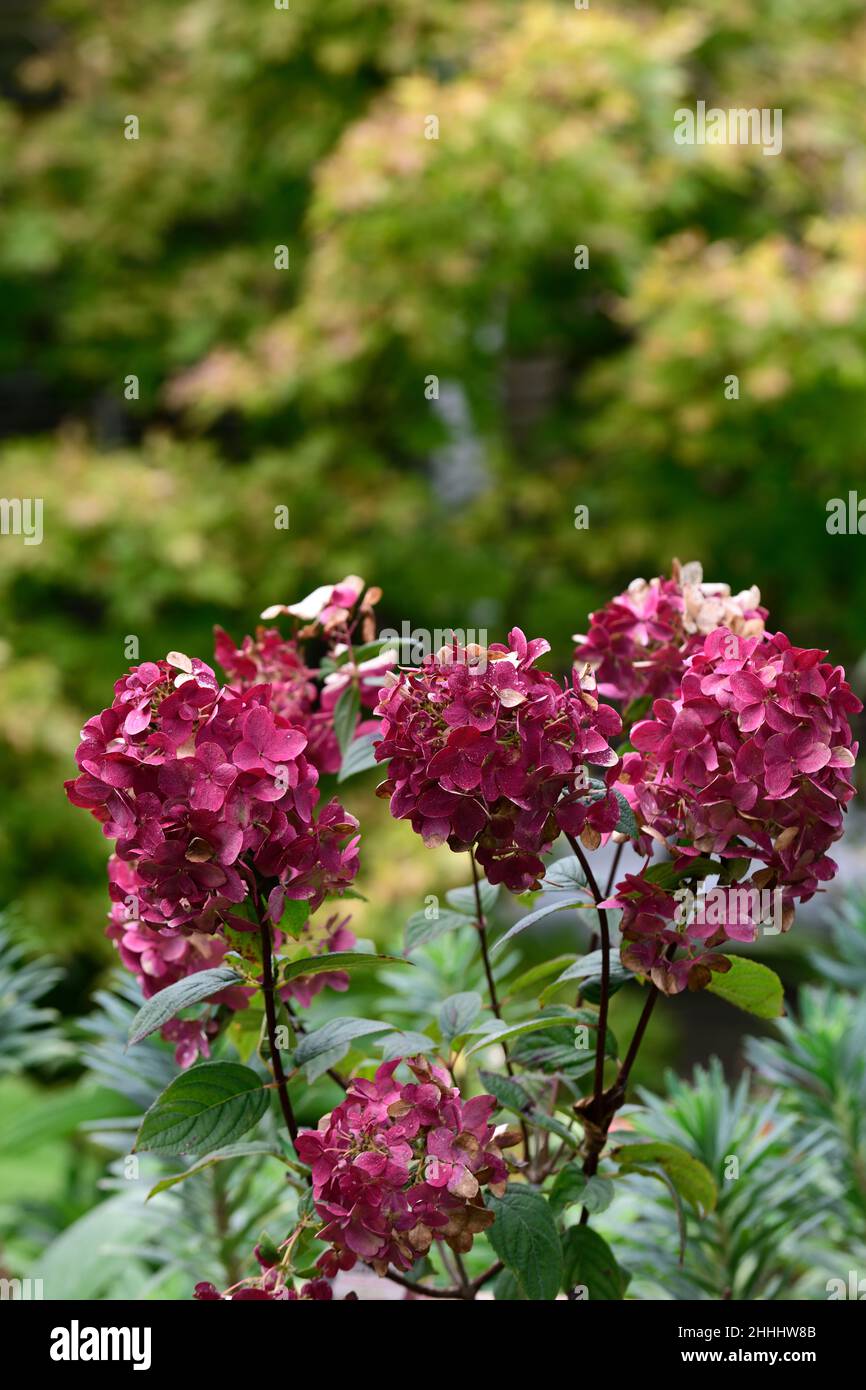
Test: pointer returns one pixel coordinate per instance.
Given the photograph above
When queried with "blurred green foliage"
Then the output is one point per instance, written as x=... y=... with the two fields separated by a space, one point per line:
x=409 y=258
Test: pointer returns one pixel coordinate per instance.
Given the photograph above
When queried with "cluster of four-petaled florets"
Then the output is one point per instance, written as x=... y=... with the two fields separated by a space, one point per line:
x=485 y=750
x=400 y=1164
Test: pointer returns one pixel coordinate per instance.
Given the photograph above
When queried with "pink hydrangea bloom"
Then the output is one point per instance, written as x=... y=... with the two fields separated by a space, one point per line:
x=754 y=758
x=751 y=762
x=398 y=1165
x=638 y=643
x=488 y=751
x=198 y=783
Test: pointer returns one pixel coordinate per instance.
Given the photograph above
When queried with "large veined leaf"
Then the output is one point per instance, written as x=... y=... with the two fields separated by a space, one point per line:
x=168 y=1002
x=751 y=986
x=587 y=970
x=207 y=1107
x=590 y=1264
x=525 y=1238
x=463 y=899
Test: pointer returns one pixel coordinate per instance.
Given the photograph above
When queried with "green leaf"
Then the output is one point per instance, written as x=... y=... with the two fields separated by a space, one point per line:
x=294 y=917
x=525 y=1238
x=563 y=875
x=458 y=1013
x=691 y=1178
x=536 y=916
x=750 y=986
x=334 y=1037
x=218 y=1156
x=588 y=970
x=508 y=1092
x=506 y=1288
x=589 y=1262
x=209 y=1106
x=346 y=716
x=405 y=1044
x=169 y=1002
x=334 y=960
x=664 y=875
x=530 y=978
x=573 y=1188
x=512 y=1096
x=359 y=756
x=421 y=929
x=463 y=899
x=507 y=1031
x=626 y=825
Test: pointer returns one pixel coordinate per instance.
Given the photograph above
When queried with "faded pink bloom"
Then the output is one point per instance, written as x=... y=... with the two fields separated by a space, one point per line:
x=397 y=1165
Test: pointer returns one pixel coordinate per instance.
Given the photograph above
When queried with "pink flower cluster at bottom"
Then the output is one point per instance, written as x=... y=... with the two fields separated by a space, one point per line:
x=399 y=1165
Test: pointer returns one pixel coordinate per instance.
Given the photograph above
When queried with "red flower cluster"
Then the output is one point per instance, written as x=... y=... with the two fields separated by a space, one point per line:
x=485 y=750
x=197 y=783
x=638 y=643
x=397 y=1166
x=752 y=761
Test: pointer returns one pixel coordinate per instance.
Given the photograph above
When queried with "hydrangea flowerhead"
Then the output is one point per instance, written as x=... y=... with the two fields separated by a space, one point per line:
x=398 y=1165
x=488 y=751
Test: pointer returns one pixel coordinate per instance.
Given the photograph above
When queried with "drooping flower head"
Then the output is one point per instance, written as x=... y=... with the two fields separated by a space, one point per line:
x=638 y=642
x=398 y=1165
x=487 y=750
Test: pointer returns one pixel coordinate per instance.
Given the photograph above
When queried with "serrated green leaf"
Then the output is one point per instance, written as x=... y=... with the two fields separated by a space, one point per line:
x=211 y=1105
x=590 y=1263
x=750 y=986
x=405 y=1044
x=525 y=1238
x=165 y=1005
x=573 y=1188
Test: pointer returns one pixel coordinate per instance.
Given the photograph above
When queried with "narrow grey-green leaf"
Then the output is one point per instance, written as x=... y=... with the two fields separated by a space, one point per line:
x=458 y=1013
x=169 y=1001
x=536 y=916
